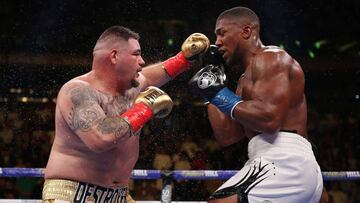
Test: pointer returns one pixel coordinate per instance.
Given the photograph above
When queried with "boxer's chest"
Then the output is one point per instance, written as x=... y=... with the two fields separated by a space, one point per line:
x=115 y=105
x=245 y=85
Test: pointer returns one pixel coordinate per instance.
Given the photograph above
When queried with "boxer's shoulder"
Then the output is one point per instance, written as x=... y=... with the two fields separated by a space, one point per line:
x=273 y=54
x=76 y=83
x=273 y=60
x=77 y=90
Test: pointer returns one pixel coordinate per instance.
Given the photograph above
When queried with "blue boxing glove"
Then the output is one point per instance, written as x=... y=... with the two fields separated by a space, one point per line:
x=209 y=83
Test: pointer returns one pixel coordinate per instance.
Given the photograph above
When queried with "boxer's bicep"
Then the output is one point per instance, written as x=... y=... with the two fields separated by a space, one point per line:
x=273 y=92
x=83 y=111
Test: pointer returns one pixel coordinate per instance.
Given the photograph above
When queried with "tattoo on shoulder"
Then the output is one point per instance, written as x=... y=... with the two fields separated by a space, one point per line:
x=86 y=111
x=116 y=125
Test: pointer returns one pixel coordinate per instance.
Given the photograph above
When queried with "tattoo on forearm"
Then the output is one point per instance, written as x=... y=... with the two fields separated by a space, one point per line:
x=85 y=112
x=118 y=126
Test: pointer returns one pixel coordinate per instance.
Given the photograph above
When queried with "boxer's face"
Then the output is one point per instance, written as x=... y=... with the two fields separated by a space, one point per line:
x=228 y=39
x=129 y=62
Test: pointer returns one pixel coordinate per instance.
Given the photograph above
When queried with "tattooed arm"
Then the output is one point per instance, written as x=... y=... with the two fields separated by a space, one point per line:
x=80 y=106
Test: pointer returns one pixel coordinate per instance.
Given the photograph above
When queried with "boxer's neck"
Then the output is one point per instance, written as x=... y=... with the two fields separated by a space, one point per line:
x=107 y=84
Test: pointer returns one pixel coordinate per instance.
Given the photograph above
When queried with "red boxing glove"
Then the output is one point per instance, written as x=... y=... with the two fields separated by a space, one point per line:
x=152 y=102
x=194 y=45
x=138 y=116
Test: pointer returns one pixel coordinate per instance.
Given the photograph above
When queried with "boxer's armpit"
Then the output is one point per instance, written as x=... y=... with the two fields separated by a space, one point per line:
x=85 y=112
x=117 y=126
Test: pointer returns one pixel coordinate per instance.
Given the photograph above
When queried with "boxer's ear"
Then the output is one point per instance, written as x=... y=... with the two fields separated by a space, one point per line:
x=246 y=32
x=113 y=56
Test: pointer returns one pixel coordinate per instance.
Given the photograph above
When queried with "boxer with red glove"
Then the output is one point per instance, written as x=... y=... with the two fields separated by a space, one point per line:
x=98 y=112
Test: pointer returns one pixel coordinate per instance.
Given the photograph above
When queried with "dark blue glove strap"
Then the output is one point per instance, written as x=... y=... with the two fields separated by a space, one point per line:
x=226 y=100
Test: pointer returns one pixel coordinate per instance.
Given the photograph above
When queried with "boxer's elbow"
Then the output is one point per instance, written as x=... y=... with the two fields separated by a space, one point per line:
x=229 y=137
x=227 y=142
x=101 y=144
x=98 y=147
x=271 y=127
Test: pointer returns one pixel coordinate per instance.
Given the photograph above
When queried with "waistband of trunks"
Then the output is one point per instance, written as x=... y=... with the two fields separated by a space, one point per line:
x=286 y=141
x=79 y=192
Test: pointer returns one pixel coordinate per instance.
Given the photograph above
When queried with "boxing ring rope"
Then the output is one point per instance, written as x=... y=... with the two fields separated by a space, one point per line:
x=168 y=177
x=178 y=174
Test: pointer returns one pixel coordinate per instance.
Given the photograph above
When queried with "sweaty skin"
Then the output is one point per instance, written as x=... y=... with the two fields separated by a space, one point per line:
x=271 y=86
x=274 y=92
x=94 y=114
x=92 y=142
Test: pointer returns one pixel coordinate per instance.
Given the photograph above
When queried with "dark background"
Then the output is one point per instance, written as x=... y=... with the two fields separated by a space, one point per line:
x=72 y=27
x=43 y=44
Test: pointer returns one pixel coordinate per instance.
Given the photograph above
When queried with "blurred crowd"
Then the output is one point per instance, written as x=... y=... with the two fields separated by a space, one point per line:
x=182 y=141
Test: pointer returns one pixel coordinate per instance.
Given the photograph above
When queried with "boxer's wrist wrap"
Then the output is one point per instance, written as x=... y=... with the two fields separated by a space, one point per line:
x=226 y=101
x=176 y=65
x=137 y=116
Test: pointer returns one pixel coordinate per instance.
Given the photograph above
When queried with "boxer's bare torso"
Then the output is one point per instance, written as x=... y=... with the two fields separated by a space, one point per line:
x=272 y=87
x=259 y=83
x=72 y=159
